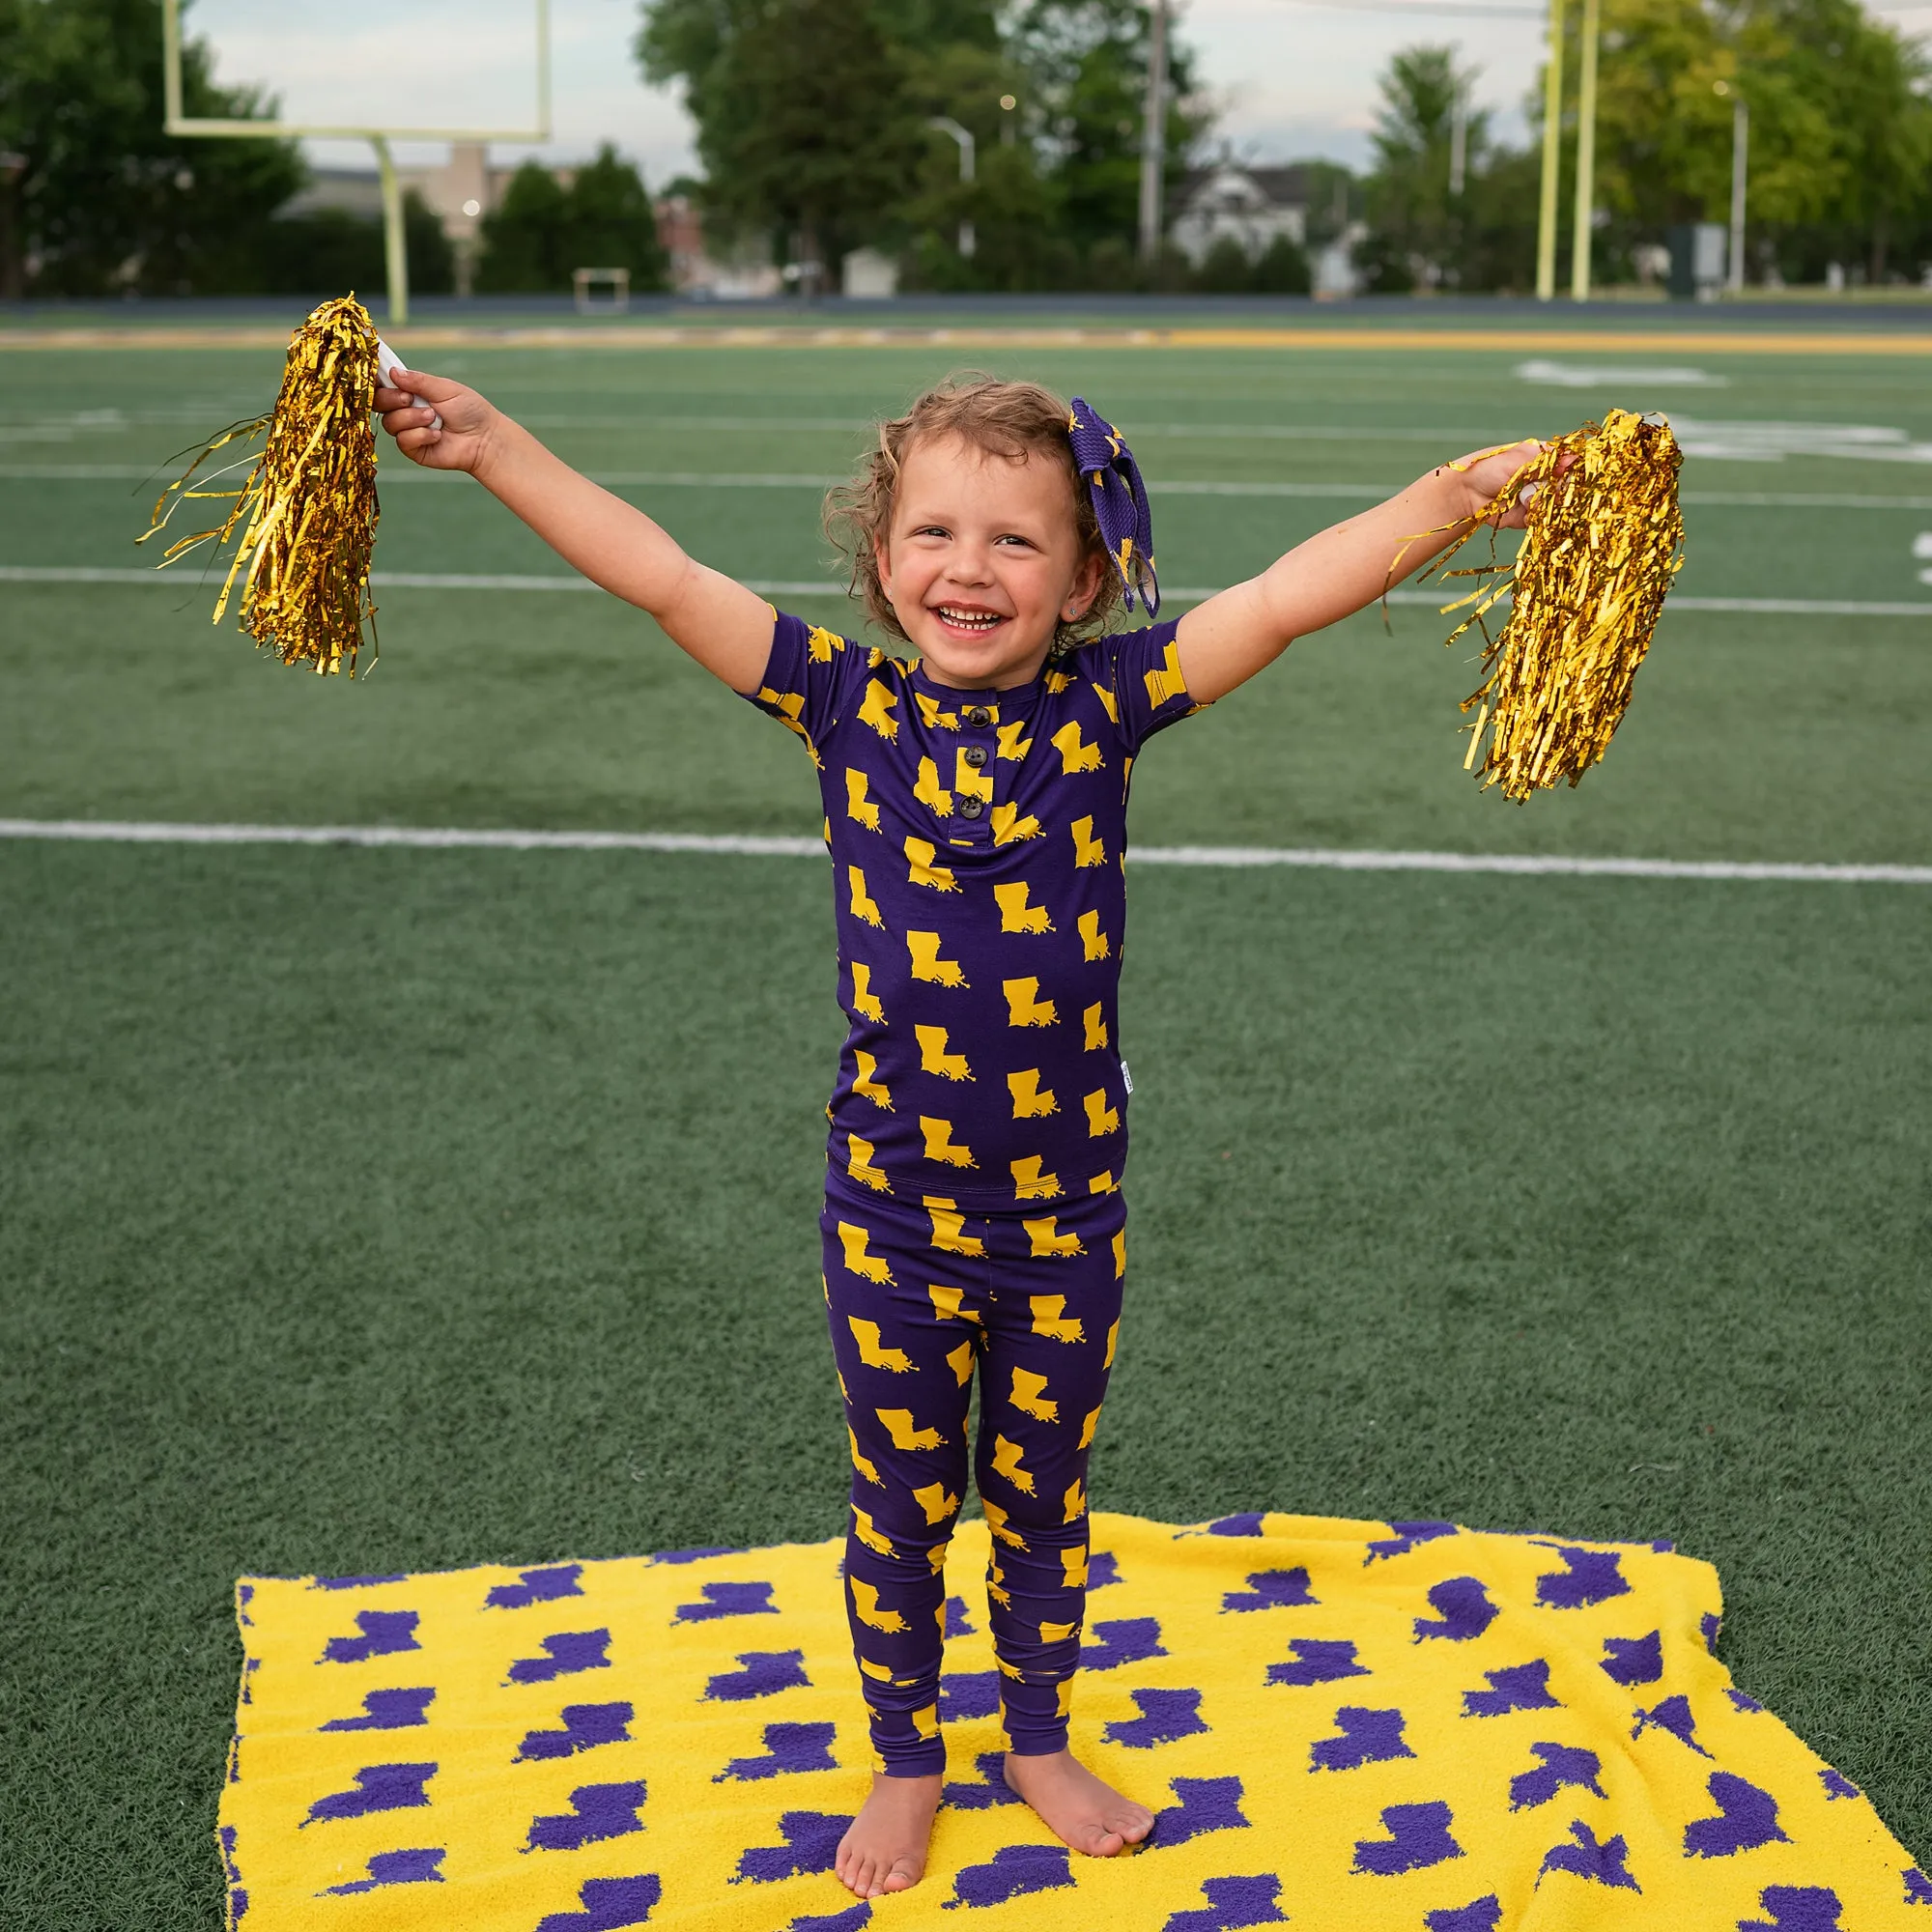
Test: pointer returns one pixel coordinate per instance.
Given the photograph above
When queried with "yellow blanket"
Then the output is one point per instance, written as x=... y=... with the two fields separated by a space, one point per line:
x=1339 y=1724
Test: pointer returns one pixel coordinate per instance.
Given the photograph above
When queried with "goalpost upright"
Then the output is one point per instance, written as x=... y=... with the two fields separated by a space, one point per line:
x=394 y=242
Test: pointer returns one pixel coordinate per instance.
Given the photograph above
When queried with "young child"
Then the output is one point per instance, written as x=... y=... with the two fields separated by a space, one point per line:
x=976 y=801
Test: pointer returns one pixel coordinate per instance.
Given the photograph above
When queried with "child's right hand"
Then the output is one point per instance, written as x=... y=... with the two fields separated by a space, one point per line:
x=468 y=419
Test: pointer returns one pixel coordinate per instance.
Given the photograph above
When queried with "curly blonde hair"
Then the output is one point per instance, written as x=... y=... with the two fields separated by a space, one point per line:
x=1013 y=420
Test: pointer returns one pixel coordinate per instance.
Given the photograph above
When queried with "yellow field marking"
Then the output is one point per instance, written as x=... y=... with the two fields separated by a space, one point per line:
x=1504 y=341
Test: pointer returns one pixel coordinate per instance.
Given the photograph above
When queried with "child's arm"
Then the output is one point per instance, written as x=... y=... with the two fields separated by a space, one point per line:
x=1224 y=641
x=725 y=627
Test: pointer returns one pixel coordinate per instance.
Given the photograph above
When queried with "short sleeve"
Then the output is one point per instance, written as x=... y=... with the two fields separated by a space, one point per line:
x=808 y=677
x=1139 y=672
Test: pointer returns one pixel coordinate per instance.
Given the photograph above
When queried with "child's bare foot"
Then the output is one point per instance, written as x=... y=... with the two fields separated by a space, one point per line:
x=1076 y=1806
x=884 y=1850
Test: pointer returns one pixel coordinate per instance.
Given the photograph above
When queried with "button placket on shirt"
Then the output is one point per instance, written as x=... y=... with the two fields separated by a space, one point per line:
x=975 y=754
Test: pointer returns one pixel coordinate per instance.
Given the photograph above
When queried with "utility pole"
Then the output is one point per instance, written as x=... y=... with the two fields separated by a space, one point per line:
x=1459 y=138
x=945 y=123
x=1153 y=137
x=1553 y=157
x=1587 y=160
x=1740 y=162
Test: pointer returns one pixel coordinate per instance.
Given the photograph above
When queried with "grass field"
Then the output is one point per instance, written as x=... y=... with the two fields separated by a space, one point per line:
x=378 y=1209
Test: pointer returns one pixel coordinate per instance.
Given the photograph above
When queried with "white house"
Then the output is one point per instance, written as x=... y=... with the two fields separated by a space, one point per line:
x=1252 y=205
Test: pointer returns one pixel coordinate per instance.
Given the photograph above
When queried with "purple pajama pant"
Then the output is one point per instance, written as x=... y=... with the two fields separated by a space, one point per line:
x=921 y=1297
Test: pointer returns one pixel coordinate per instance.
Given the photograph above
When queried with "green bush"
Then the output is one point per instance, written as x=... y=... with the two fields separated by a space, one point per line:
x=332 y=251
x=1282 y=270
x=542 y=230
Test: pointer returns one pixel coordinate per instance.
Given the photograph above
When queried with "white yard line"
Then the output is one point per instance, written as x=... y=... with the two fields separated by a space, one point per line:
x=705 y=479
x=747 y=846
x=1183 y=593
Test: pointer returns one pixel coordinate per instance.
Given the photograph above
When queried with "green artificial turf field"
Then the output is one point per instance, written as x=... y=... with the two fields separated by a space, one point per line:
x=378 y=1209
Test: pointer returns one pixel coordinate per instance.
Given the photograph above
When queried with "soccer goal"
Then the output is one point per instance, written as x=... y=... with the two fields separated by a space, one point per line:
x=380 y=136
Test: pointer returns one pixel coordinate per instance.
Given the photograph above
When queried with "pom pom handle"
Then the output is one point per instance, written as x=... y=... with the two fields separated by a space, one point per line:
x=387 y=364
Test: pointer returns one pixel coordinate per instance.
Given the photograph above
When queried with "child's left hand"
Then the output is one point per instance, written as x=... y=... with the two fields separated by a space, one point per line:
x=1483 y=474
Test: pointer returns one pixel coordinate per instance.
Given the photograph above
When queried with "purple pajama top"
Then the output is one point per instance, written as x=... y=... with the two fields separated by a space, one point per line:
x=978 y=841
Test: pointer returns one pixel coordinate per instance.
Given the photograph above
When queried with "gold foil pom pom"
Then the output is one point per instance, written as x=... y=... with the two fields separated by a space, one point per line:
x=307 y=509
x=1603 y=538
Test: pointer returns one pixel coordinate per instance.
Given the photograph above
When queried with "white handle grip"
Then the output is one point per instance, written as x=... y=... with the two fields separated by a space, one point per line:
x=387 y=363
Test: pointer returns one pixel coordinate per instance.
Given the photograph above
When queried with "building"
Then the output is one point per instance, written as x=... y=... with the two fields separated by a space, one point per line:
x=1252 y=205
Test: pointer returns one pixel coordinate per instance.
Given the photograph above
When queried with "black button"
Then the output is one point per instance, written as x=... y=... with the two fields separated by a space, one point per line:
x=976 y=755
x=971 y=807
x=978 y=717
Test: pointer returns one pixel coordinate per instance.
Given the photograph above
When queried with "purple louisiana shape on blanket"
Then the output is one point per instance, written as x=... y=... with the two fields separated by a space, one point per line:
x=585 y=1726
x=387 y=1711
x=1318 y=1660
x=968 y=1694
x=1516 y=1687
x=854 y=1918
x=1918 y=1886
x=378 y=1787
x=1418 y=1836
x=384 y=1632
x=992 y=1790
x=1362 y=1737
x=957 y=1622
x=1601 y=1863
x=1012 y=1872
x=1743 y=1701
x=1233 y=1904
x=356 y=1583
x=1462 y=1611
x=1710 y=1626
x=1480 y=1914
x=1561 y=1766
x=1124 y=1640
x=1837 y=1785
x=411 y=1868
x=537 y=1586
x=1165 y=1715
x=1405 y=1538
x=1630 y=1660
x=1796 y=1908
x=1673 y=1715
x=691 y=1555
x=811 y=1845
x=788 y=1747
x=597 y=1811
x=1207 y=1804
x=728 y=1600
x=1236 y=1525
x=565 y=1653
x=610 y=1905
x=1747 y=1818
x=1271 y=1590
x=1103 y=1567
x=1587 y=1576
x=762 y=1673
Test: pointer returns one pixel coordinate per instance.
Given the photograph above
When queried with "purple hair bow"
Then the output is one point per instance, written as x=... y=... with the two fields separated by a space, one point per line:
x=1119 y=501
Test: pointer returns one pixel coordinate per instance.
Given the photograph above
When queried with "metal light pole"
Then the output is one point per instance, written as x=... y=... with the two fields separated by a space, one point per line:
x=945 y=123
x=1586 y=158
x=1153 y=137
x=1459 y=141
x=1740 y=162
x=1553 y=157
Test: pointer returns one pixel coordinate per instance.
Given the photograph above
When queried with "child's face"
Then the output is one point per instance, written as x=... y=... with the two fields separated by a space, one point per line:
x=983 y=561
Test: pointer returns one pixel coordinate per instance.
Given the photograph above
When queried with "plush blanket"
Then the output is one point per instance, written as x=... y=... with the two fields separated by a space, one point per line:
x=1340 y=1725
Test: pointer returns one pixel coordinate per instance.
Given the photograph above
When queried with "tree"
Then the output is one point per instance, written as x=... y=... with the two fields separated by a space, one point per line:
x=107 y=202
x=332 y=251
x=541 y=230
x=1088 y=62
x=1840 y=137
x=1416 y=225
x=803 y=124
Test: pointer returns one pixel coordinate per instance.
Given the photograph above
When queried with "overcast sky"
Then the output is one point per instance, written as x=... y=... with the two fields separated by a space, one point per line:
x=1292 y=79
